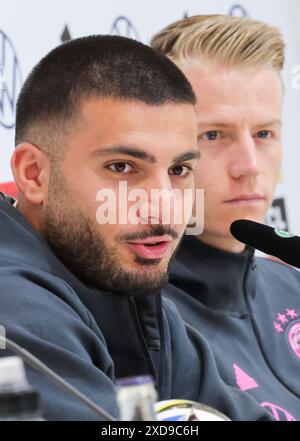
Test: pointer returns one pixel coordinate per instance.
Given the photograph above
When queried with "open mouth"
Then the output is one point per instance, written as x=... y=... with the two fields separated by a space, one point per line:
x=151 y=248
x=153 y=244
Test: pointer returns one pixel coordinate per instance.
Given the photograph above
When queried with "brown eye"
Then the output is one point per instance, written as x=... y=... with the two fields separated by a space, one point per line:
x=120 y=167
x=180 y=170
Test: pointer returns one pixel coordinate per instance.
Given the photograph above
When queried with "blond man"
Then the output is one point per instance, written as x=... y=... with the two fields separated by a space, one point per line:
x=248 y=308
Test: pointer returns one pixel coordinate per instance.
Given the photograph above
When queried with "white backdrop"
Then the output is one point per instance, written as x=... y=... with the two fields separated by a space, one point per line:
x=30 y=28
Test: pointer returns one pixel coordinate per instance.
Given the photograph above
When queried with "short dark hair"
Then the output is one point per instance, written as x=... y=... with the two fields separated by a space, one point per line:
x=96 y=65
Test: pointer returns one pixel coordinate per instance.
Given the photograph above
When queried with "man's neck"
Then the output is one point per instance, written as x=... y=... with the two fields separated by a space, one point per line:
x=228 y=244
x=31 y=214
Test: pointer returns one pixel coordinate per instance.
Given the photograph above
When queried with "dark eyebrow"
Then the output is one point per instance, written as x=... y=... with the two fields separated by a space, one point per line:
x=187 y=156
x=140 y=154
x=129 y=151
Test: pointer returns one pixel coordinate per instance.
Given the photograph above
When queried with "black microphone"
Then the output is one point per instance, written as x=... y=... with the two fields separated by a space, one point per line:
x=272 y=241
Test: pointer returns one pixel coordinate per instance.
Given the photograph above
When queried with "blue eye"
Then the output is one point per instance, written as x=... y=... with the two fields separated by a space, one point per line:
x=264 y=134
x=211 y=135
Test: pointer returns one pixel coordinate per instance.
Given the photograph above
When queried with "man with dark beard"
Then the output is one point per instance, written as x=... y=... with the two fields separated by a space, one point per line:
x=80 y=293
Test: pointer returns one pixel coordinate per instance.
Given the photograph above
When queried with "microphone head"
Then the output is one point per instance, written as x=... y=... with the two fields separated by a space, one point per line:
x=269 y=240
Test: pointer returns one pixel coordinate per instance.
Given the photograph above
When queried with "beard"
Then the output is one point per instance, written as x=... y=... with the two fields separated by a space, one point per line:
x=81 y=247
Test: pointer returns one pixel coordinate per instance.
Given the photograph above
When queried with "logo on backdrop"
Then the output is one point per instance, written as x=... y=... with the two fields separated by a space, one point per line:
x=277 y=216
x=65 y=35
x=125 y=28
x=10 y=81
x=235 y=11
x=238 y=11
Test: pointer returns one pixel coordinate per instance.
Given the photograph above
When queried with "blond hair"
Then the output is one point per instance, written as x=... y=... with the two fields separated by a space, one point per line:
x=229 y=41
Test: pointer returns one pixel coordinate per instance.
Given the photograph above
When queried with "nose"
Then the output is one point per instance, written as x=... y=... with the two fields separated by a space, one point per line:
x=244 y=157
x=159 y=206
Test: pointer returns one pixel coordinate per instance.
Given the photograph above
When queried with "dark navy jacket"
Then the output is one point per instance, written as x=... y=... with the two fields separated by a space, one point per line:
x=91 y=337
x=248 y=308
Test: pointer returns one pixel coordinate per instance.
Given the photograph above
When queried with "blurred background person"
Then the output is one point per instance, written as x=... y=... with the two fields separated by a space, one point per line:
x=247 y=307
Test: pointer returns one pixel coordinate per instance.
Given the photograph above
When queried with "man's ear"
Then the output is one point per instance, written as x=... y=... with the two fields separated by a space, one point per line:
x=31 y=169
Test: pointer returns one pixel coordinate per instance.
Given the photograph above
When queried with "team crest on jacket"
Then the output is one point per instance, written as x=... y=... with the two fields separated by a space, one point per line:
x=288 y=324
x=293 y=336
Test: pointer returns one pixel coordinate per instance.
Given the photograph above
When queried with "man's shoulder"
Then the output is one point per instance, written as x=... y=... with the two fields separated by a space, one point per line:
x=42 y=306
x=29 y=292
x=278 y=276
x=276 y=267
x=37 y=312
